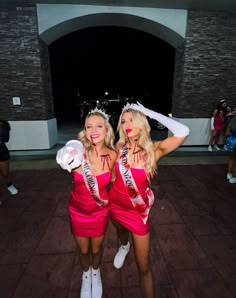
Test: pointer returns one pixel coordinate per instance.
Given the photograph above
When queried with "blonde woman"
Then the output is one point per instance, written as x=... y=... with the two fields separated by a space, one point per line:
x=91 y=160
x=130 y=195
x=217 y=125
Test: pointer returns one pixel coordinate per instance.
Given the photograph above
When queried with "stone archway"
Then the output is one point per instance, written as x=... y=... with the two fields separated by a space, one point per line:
x=43 y=23
x=51 y=28
x=204 y=42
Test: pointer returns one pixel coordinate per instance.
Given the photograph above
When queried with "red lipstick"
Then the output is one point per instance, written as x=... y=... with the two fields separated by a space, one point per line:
x=128 y=130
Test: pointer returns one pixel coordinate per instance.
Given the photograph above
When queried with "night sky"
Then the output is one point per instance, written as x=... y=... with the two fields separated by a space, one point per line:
x=121 y=61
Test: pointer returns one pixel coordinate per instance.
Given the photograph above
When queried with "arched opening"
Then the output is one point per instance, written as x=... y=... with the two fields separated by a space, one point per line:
x=125 y=62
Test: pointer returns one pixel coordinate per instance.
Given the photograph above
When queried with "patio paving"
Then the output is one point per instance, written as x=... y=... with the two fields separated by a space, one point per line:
x=193 y=232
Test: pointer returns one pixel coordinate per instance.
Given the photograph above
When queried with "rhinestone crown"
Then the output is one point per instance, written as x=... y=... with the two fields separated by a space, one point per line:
x=128 y=106
x=102 y=112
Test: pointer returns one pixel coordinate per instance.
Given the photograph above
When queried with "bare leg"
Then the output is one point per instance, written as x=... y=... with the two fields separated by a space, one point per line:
x=225 y=136
x=142 y=251
x=5 y=171
x=234 y=163
x=217 y=136
x=231 y=162
x=84 y=252
x=123 y=233
x=97 y=251
x=211 y=141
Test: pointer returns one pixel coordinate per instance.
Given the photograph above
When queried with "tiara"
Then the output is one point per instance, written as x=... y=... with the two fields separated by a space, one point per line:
x=102 y=112
x=128 y=106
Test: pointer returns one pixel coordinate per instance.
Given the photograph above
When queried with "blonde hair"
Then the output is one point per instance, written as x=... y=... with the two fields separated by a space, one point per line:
x=144 y=139
x=109 y=138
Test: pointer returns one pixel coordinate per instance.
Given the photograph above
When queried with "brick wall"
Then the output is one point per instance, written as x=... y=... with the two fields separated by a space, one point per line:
x=23 y=66
x=204 y=72
x=205 y=64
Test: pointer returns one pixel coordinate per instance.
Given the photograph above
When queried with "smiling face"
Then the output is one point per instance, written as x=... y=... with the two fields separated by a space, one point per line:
x=95 y=129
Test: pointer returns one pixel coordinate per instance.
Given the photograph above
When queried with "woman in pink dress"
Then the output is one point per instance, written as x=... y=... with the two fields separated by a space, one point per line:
x=217 y=124
x=130 y=195
x=91 y=160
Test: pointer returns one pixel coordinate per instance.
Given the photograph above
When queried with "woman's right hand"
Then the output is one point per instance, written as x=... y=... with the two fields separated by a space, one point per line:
x=70 y=156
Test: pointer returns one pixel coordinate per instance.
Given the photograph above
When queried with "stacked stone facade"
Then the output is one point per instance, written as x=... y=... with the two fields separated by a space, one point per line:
x=204 y=66
x=205 y=69
x=24 y=66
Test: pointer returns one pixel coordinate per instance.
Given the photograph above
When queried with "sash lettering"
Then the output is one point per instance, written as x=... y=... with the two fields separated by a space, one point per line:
x=132 y=189
x=91 y=183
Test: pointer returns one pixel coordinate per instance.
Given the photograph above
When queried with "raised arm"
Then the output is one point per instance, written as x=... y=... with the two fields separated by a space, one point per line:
x=179 y=130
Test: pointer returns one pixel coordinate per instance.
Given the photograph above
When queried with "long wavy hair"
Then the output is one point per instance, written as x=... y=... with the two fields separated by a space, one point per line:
x=144 y=139
x=221 y=107
x=109 y=138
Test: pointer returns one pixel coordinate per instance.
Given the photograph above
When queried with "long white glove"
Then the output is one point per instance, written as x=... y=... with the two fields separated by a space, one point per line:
x=177 y=128
x=70 y=156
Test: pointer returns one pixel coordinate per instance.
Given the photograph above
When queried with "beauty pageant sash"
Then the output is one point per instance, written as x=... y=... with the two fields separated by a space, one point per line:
x=91 y=183
x=132 y=189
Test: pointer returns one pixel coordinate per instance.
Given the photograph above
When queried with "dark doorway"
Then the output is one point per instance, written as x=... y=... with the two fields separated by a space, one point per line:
x=110 y=62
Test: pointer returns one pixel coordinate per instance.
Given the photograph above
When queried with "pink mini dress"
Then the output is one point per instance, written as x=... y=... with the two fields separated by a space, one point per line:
x=122 y=210
x=219 y=121
x=87 y=218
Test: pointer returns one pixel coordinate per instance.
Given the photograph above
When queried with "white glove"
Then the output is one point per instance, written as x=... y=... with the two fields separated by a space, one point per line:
x=212 y=123
x=70 y=156
x=177 y=128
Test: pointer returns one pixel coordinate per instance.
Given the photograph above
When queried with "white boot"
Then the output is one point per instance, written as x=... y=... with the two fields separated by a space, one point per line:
x=86 y=289
x=96 y=283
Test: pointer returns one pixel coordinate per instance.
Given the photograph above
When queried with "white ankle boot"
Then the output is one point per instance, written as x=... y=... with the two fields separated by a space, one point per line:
x=86 y=288
x=96 y=283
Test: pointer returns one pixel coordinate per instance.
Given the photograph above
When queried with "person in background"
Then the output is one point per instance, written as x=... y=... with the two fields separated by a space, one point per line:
x=90 y=159
x=129 y=194
x=5 y=157
x=217 y=125
x=231 y=147
x=229 y=113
